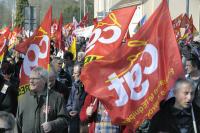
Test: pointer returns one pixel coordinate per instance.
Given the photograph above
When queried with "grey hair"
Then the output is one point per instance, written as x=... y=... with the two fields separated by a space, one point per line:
x=180 y=81
x=8 y=120
x=42 y=72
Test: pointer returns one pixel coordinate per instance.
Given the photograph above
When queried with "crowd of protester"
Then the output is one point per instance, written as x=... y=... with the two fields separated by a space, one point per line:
x=71 y=109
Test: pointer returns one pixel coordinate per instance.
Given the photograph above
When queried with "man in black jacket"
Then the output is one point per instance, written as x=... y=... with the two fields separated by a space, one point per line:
x=8 y=89
x=177 y=114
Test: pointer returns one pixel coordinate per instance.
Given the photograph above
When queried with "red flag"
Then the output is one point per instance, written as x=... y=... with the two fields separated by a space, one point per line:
x=59 y=43
x=3 y=47
x=133 y=79
x=177 y=22
x=54 y=28
x=13 y=37
x=37 y=49
x=5 y=29
x=108 y=34
x=185 y=21
x=190 y=30
x=95 y=21
x=84 y=20
x=3 y=43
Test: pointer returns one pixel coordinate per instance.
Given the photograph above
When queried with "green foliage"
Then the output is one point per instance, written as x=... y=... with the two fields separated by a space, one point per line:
x=69 y=8
x=71 y=11
x=19 y=21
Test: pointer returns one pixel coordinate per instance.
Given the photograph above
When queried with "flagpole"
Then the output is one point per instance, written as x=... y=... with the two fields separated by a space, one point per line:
x=48 y=88
x=47 y=100
x=48 y=85
x=193 y=120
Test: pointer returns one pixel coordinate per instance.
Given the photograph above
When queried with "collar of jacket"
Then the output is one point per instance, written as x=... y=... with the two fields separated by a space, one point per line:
x=186 y=111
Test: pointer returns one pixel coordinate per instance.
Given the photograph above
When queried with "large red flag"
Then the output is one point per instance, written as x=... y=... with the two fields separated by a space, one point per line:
x=37 y=49
x=133 y=79
x=108 y=34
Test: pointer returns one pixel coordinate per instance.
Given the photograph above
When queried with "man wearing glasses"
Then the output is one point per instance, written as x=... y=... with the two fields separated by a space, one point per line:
x=32 y=107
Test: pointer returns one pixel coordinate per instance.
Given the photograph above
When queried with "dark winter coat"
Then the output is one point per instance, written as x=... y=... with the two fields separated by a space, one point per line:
x=169 y=119
x=8 y=96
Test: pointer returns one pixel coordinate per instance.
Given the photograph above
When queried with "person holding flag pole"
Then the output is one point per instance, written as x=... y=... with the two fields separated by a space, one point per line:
x=40 y=109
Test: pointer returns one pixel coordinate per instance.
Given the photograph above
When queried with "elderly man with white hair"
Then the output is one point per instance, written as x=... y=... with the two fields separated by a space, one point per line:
x=32 y=108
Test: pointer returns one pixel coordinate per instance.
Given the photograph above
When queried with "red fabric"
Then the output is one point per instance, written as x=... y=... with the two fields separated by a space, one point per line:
x=133 y=79
x=3 y=46
x=91 y=120
x=84 y=20
x=4 y=40
x=37 y=49
x=177 y=25
x=44 y=26
x=185 y=21
x=83 y=117
x=59 y=44
x=54 y=27
x=95 y=21
x=177 y=22
x=104 y=39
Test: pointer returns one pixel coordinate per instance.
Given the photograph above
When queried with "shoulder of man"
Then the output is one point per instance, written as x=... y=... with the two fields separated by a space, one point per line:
x=55 y=94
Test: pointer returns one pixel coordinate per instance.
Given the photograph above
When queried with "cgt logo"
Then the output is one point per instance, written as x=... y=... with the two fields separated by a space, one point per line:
x=34 y=53
x=97 y=36
x=133 y=78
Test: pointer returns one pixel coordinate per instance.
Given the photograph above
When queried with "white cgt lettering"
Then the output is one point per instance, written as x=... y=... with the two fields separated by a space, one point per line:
x=28 y=64
x=97 y=37
x=133 y=83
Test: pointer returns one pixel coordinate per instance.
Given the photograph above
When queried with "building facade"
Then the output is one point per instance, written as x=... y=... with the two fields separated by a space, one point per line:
x=146 y=7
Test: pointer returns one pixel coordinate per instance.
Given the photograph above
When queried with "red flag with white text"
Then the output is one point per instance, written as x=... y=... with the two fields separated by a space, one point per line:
x=108 y=34
x=133 y=79
x=37 y=49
